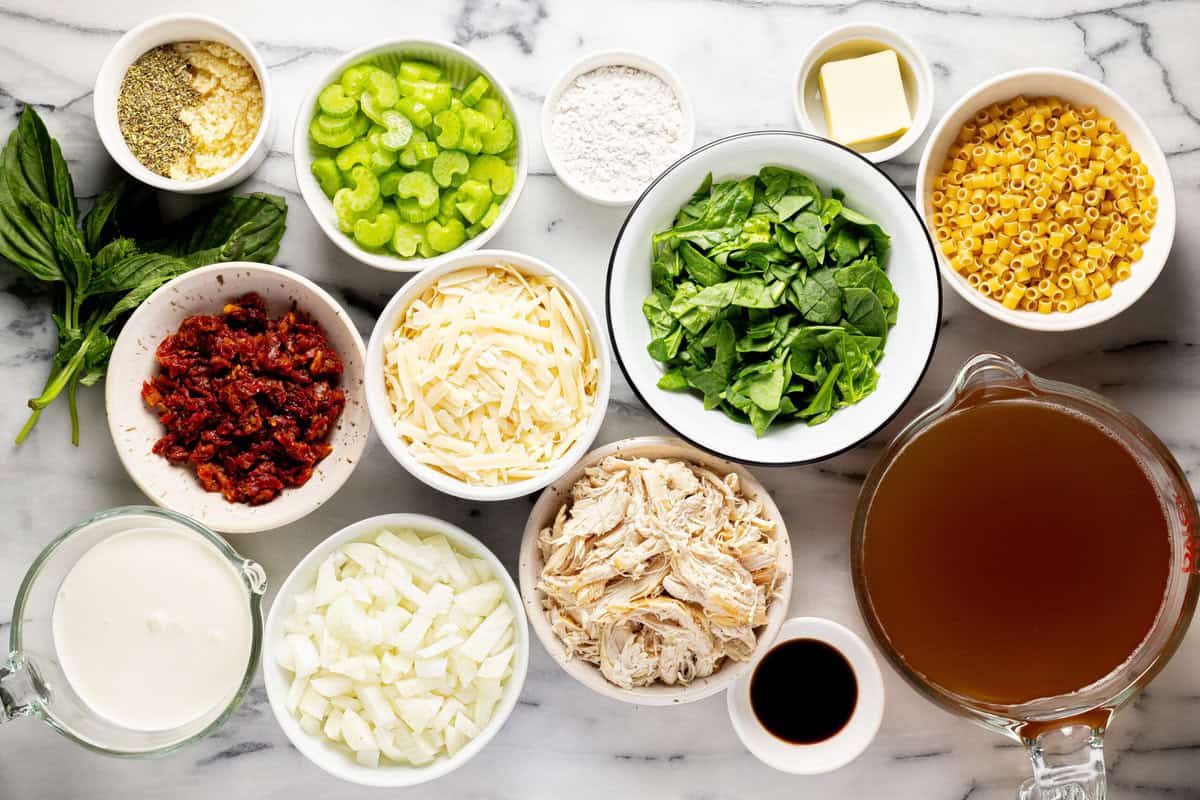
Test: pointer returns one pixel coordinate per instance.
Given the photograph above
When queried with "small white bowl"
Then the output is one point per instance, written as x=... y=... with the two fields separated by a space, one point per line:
x=135 y=427
x=911 y=268
x=612 y=58
x=334 y=760
x=851 y=41
x=129 y=48
x=381 y=409
x=838 y=750
x=446 y=55
x=1082 y=91
x=530 y=569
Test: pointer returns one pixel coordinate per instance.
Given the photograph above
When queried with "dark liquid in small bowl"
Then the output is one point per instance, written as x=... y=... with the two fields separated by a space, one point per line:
x=804 y=691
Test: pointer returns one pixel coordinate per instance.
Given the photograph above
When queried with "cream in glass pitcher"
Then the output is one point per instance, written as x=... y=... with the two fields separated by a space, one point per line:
x=134 y=633
x=1022 y=554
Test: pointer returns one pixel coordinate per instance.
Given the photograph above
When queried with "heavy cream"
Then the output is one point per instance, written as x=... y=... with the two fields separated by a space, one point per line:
x=152 y=628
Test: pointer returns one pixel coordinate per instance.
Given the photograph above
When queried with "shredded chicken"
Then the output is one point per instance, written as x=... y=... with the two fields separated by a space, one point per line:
x=658 y=570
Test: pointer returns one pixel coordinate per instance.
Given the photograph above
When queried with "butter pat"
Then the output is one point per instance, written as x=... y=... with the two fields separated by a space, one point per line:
x=864 y=98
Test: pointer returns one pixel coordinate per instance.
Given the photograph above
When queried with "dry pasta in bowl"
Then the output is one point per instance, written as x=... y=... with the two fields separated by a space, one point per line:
x=492 y=377
x=1042 y=205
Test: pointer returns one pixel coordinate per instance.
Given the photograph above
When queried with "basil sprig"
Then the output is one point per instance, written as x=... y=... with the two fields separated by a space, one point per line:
x=104 y=265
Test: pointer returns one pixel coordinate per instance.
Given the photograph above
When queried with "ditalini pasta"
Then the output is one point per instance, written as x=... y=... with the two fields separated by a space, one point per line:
x=1042 y=205
x=492 y=375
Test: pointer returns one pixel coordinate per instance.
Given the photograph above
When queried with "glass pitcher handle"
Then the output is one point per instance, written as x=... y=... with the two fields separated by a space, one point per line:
x=1068 y=764
x=19 y=689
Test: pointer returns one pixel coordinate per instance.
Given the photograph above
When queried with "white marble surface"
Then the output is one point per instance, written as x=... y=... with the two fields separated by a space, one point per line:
x=737 y=58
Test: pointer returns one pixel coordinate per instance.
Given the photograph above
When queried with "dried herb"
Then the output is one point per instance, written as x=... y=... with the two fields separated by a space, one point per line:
x=154 y=90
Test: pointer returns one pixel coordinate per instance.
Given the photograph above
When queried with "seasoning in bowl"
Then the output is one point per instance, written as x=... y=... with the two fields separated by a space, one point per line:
x=189 y=110
x=659 y=570
x=491 y=375
x=401 y=650
x=615 y=128
x=1042 y=205
x=246 y=400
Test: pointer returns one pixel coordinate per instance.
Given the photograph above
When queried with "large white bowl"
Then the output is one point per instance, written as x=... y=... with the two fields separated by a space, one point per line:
x=381 y=409
x=910 y=268
x=165 y=30
x=334 y=760
x=453 y=59
x=1080 y=90
x=135 y=427
x=529 y=571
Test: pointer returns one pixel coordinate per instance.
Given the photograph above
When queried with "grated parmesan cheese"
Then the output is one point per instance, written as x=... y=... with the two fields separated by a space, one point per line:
x=492 y=375
x=226 y=119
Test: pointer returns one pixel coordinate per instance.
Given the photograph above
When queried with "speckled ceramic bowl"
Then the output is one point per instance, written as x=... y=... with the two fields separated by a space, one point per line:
x=135 y=427
x=530 y=568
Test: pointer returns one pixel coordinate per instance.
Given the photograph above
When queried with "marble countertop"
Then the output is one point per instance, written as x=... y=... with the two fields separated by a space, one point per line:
x=737 y=58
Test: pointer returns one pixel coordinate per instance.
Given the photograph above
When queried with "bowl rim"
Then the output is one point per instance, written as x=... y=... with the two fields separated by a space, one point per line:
x=321 y=207
x=378 y=404
x=1163 y=185
x=889 y=37
x=587 y=674
x=599 y=59
x=272 y=672
x=638 y=392
x=132 y=463
x=109 y=129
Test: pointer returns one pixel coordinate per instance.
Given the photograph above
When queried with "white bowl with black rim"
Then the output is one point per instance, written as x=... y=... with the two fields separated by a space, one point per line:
x=135 y=426
x=911 y=267
x=460 y=66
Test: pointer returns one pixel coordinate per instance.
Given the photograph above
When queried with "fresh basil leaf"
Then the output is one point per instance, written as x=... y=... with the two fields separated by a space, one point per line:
x=241 y=228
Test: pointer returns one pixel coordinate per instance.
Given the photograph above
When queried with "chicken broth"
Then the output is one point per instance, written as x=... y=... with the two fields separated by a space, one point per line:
x=1015 y=551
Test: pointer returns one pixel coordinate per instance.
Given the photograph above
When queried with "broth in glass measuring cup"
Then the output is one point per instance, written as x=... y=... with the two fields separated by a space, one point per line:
x=1021 y=554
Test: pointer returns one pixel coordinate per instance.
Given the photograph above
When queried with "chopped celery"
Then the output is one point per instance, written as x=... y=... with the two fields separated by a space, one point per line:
x=475 y=90
x=327 y=175
x=334 y=101
x=407 y=238
x=418 y=185
x=377 y=232
x=413 y=71
x=493 y=171
x=474 y=197
x=444 y=238
x=499 y=138
x=448 y=164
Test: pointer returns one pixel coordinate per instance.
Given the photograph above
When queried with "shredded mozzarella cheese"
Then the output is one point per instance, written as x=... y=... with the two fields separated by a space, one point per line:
x=492 y=375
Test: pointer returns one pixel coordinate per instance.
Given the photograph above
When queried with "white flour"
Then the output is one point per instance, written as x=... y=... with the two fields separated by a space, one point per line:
x=615 y=129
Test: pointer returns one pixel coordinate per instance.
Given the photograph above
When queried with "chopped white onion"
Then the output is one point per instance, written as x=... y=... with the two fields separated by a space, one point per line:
x=401 y=649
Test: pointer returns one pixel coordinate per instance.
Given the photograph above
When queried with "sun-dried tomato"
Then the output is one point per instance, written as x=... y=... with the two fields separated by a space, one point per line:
x=247 y=400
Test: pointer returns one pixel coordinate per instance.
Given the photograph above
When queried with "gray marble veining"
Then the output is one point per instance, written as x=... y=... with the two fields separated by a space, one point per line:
x=737 y=58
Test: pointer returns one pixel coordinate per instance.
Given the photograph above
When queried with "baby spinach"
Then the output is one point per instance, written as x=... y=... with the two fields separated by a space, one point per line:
x=104 y=265
x=770 y=299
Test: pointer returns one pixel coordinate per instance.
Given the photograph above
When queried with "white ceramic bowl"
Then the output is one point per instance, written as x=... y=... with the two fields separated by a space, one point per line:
x=147 y=36
x=611 y=58
x=459 y=64
x=529 y=571
x=1079 y=90
x=380 y=406
x=334 y=760
x=135 y=427
x=910 y=268
x=851 y=41
x=845 y=745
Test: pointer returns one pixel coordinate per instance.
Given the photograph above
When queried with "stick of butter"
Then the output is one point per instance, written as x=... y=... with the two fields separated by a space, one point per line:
x=864 y=98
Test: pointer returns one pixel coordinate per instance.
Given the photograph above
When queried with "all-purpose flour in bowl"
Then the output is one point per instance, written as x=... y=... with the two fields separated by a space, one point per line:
x=613 y=129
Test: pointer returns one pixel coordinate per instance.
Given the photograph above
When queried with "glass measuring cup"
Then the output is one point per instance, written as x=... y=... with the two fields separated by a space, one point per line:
x=1063 y=734
x=32 y=681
